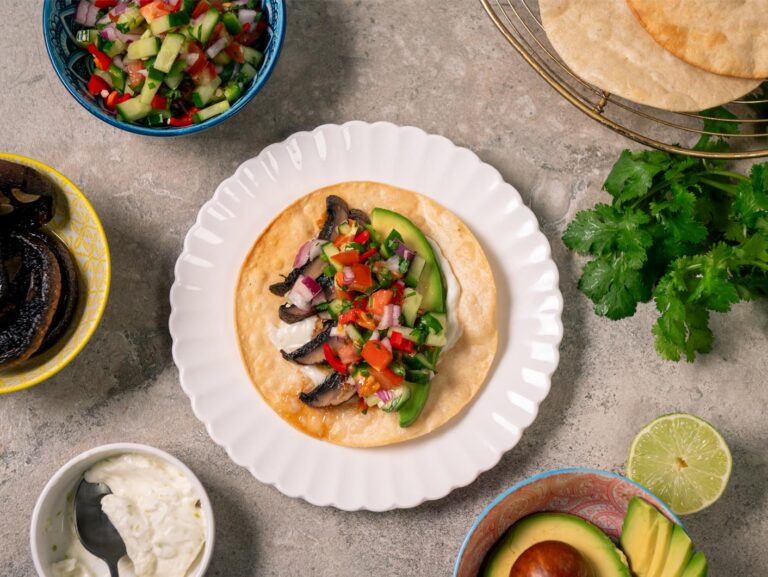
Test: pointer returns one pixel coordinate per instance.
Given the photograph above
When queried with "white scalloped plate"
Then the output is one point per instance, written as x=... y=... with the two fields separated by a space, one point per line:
x=205 y=346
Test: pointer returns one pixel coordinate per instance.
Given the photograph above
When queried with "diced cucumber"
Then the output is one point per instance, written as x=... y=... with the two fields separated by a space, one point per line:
x=419 y=361
x=232 y=23
x=328 y=251
x=168 y=22
x=133 y=109
x=155 y=119
x=335 y=308
x=354 y=335
x=116 y=47
x=105 y=76
x=434 y=340
x=83 y=38
x=253 y=56
x=169 y=51
x=222 y=58
x=411 y=304
x=210 y=112
x=414 y=271
x=151 y=86
x=202 y=28
x=189 y=5
x=203 y=94
x=144 y=48
x=118 y=77
x=421 y=376
x=129 y=19
x=146 y=34
x=405 y=332
x=172 y=81
x=232 y=91
x=345 y=228
x=247 y=73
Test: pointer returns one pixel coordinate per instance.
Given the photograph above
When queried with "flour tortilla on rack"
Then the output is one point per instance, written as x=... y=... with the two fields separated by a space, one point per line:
x=461 y=372
x=728 y=38
x=602 y=41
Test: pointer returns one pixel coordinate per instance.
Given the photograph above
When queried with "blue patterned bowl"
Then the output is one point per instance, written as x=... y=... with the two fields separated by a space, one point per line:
x=73 y=66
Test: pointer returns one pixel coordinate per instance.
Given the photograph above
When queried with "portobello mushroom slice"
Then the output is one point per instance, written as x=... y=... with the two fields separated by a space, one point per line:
x=292 y=314
x=336 y=212
x=313 y=268
x=359 y=215
x=310 y=353
x=70 y=289
x=26 y=198
x=22 y=332
x=334 y=390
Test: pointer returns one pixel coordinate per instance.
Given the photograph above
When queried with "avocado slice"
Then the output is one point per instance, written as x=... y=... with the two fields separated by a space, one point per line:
x=638 y=535
x=697 y=567
x=661 y=547
x=430 y=286
x=680 y=553
x=594 y=545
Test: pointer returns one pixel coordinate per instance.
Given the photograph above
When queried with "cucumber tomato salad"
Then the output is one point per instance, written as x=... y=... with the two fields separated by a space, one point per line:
x=375 y=290
x=171 y=62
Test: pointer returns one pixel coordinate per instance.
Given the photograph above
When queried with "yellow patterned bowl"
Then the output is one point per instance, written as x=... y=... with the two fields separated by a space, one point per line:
x=78 y=226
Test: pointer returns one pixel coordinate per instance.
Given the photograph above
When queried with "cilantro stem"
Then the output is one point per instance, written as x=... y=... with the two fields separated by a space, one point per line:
x=729 y=174
x=729 y=188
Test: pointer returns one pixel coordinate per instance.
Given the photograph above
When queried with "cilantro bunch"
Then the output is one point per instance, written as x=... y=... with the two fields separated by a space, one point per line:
x=682 y=231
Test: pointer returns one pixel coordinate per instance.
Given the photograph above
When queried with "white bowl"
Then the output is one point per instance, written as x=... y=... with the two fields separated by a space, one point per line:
x=48 y=537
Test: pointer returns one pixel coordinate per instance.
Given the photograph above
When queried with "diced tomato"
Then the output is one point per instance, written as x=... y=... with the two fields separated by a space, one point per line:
x=333 y=360
x=343 y=239
x=183 y=121
x=201 y=8
x=348 y=354
x=362 y=278
x=111 y=100
x=348 y=317
x=218 y=30
x=135 y=78
x=155 y=10
x=159 y=102
x=102 y=60
x=143 y=3
x=179 y=4
x=398 y=292
x=207 y=76
x=340 y=280
x=363 y=237
x=251 y=34
x=387 y=379
x=346 y=258
x=376 y=355
x=96 y=85
x=202 y=60
x=361 y=304
x=368 y=254
x=344 y=295
x=235 y=52
x=379 y=300
x=400 y=343
x=105 y=3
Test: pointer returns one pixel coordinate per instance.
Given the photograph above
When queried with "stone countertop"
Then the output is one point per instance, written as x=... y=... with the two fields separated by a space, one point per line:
x=441 y=66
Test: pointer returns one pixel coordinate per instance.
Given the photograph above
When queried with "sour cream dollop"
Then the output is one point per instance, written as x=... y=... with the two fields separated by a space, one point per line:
x=157 y=512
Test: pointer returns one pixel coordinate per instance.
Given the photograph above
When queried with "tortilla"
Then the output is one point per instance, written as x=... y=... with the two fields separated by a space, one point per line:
x=461 y=371
x=603 y=42
x=728 y=38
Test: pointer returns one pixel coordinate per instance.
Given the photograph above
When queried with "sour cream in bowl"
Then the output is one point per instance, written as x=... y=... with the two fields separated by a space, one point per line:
x=157 y=504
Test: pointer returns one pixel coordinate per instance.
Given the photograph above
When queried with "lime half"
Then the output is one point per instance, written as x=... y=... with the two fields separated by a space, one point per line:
x=683 y=460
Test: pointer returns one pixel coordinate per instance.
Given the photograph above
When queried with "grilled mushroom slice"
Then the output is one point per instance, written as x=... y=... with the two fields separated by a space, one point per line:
x=359 y=216
x=292 y=314
x=334 y=390
x=313 y=269
x=26 y=198
x=336 y=211
x=4 y=278
x=23 y=330
x=70 y=289
x=311 y=353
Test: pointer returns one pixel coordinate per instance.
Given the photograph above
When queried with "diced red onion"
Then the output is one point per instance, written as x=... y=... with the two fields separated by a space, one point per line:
x=127 y=38
x=386 y=318
x=91 y=16
x=118 y=61
x=109 y=33
x=335 y=332
x=393 y=263
x=82 y=11
x=303 y=292
x=404 y=252
x=349 y=276
x=385 y=395
x=246 y=16
x=120 y=8
x=308 y=251
x=386 y=344
x=319 y=299
x=374 y=335
x=144 y=72
x=396 y=311
x=191 y=59
x=104 y=93
x=217 y=47
x=312 y=285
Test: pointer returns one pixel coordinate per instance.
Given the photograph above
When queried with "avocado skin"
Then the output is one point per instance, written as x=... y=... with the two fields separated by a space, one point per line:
x=431 y=285
x=605 y=559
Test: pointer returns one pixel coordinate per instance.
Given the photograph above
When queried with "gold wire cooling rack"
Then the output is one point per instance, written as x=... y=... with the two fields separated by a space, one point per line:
x=747 y=132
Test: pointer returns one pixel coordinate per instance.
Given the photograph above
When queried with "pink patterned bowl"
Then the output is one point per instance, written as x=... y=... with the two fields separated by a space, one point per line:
x=599 y=497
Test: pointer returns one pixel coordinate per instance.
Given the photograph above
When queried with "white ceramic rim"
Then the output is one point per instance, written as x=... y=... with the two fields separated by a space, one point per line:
x=205 y=346
x=122 y=448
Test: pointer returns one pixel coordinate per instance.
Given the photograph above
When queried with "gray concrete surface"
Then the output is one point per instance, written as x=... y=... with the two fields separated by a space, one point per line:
x=438 y=65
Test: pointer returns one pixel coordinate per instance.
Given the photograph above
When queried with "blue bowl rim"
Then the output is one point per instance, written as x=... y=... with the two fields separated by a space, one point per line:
x=252 y=91
x=499 y=498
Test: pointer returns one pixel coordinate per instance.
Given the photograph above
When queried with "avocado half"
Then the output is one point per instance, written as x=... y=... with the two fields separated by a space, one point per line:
x=594 y=545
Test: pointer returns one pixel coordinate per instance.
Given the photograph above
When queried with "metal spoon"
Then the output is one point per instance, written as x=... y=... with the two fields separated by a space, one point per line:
x=94 y=529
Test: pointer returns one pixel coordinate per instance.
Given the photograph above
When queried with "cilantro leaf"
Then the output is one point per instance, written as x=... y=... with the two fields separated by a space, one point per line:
x=632 y=175
x=604 y=229
x=751 y=202
x=681 y=328
x=614 y=285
